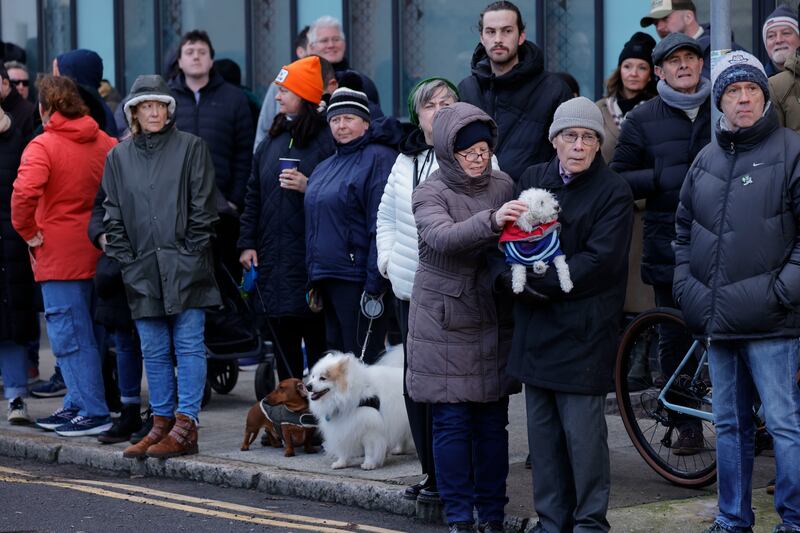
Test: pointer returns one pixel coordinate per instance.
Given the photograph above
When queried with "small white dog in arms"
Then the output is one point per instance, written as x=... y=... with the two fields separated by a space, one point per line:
x=360 y=409
x=532 y=241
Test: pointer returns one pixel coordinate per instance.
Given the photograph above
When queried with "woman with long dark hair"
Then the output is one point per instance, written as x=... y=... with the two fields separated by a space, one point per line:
x=272 y=226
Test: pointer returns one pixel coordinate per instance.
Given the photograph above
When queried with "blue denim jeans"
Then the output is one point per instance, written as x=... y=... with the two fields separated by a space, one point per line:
x=129 y=367
x=68 y=313
x=14 y=367
x=738 y=370
x=470 y=449
x=158 y=336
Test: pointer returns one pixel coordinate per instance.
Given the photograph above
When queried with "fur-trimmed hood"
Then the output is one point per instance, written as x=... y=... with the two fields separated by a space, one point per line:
x=149 y=87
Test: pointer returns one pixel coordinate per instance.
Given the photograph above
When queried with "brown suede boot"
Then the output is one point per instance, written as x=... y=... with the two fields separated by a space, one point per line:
x=161 y=427
x=182 y=440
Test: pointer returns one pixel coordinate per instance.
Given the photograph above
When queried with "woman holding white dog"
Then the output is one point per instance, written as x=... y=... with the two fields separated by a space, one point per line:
x=459 y=336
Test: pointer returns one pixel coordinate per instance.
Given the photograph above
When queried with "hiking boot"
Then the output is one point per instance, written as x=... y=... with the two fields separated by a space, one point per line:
x=181 y=440
x=59 y=418
x=82 y=426
x=53 y=388
x=129 y=421
x=690 y=442
x=147 y=425
x=161 y=426
x=18 y=412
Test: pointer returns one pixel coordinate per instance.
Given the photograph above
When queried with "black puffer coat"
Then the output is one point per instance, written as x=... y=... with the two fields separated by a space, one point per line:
x=737 y=273
x=568 y=344
x=522 y=103
x=17 y=289
x=273 y=223
x=159 y=221
x=222 y=119
x=656 y=145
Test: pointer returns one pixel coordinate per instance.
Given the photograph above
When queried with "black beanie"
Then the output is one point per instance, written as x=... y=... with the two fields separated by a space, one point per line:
x=640 y=46
x=472 y=133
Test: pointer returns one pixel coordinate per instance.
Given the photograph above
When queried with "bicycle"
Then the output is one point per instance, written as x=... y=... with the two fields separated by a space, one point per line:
x=650 y=401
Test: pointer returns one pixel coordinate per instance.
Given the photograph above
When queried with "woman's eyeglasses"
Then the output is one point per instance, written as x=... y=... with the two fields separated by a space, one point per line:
x=475 y=156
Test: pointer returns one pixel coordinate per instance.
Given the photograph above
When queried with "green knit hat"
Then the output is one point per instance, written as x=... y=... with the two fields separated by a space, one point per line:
x=412 y=113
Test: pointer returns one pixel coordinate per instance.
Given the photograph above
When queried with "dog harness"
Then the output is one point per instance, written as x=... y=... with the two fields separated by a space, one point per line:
x=372 y=401
x=528 y=247
x=281 y=415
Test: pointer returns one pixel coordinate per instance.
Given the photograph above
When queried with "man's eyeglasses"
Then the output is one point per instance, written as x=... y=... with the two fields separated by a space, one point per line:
x=571 y=137
x=24 y=83
x=475 y=156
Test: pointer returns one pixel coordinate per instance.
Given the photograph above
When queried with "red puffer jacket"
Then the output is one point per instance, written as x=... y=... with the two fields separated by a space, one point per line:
x=58 y=178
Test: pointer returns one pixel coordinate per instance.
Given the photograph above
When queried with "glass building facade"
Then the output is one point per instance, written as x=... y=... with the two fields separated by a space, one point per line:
x=395 y=42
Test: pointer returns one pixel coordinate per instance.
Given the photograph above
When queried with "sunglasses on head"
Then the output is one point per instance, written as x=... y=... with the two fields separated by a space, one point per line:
x=24 y=83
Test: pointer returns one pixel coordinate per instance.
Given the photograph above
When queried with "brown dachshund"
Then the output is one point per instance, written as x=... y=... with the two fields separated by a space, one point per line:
x=285 y=417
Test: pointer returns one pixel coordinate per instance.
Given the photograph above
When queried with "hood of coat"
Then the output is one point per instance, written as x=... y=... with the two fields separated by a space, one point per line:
x=80 y=130
x=414 y=143
x=531 y=63
x=446 y=125
x=793 y=63
x=83 y=66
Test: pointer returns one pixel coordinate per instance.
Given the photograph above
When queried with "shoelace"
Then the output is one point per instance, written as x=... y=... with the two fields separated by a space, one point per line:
x=61 y=412
x=78 y=420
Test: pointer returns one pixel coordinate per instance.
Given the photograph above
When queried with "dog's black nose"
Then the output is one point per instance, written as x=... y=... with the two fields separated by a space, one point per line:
x=309 y=387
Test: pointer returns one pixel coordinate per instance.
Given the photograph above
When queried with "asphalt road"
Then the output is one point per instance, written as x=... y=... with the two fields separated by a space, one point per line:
x=61 y=498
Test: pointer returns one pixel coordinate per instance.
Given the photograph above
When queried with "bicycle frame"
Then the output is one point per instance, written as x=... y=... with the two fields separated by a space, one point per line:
x=662 y=397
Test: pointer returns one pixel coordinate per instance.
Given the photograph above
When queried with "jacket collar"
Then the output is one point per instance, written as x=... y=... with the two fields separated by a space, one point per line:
x=355 y=145
x=179 y=83
x=152 y=142
x=531 y=63
x=554 y=180
x=746 y=139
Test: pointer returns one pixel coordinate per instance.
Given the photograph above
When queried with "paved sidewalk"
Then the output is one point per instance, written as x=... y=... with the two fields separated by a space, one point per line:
x=640 y=501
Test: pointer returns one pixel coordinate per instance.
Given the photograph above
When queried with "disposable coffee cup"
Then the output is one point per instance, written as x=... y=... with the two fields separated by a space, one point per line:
x=285 y=163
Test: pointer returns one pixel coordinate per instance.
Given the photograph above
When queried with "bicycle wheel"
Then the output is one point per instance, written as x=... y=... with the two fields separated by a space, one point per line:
x=652 y=426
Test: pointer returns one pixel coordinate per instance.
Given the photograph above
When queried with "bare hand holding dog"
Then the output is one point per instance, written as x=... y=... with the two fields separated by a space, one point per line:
x=510 y=212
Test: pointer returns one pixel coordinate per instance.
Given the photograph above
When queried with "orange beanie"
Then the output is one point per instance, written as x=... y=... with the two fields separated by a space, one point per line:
x=303 y=78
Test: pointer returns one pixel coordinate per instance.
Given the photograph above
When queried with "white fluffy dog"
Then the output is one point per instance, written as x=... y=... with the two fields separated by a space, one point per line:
x=533 y=240
x=360 y=408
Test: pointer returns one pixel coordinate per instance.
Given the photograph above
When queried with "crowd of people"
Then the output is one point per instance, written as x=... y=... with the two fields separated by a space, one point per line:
x=115 y=215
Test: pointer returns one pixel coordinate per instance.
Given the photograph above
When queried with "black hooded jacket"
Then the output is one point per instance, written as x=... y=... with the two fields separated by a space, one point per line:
x=522 y=103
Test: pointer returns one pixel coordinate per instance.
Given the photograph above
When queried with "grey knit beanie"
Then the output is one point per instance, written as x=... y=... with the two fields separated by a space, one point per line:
x=734 y=67
x=580 y=112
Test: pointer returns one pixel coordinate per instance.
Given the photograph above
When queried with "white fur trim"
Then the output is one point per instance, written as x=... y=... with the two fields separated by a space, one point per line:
x=169 y=100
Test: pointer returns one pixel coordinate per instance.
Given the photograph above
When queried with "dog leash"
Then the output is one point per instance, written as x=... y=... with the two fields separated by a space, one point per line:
x=272 y=332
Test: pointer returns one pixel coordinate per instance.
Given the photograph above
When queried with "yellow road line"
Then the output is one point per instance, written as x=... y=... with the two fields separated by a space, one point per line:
x=323 y=525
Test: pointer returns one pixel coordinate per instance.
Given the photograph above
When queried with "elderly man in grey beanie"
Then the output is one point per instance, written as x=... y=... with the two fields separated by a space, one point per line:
x=737 y=280
x=564 y=345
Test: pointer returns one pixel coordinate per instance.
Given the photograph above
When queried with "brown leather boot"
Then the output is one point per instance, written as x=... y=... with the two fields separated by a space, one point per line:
x=182 y=440
x=161 y=427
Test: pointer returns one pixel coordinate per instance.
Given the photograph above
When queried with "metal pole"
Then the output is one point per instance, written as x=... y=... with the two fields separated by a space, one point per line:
x=720 y=44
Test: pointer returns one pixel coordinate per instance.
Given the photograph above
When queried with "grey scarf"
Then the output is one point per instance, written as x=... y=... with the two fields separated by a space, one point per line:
x=684 y=101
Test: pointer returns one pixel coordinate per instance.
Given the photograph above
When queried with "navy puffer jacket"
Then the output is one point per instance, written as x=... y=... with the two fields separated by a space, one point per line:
x=273 y=223
x=341 y=207
x=656 y=145
x=222 y=119
x=737 y=272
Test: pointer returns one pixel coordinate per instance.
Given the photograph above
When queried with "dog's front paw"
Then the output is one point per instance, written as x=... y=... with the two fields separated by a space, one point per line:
x=368 y=465
x=339 y=464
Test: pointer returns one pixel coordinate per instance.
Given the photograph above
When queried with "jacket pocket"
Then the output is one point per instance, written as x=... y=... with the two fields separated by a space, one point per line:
x=61 y=331
x=458 y=311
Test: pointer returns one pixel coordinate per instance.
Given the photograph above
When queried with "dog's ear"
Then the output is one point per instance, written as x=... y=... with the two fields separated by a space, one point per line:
x=301 y=389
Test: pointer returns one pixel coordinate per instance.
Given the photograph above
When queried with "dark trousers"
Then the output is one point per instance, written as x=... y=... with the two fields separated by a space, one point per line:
x=672 y=347
x=345 y=326
x=419 y=413
x=290 y=332
x=470 y=444
x=570 y=463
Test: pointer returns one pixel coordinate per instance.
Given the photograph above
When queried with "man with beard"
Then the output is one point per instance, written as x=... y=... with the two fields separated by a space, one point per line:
x=781 y=38
x=509 y=83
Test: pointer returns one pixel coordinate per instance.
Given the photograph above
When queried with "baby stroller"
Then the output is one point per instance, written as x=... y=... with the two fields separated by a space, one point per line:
x=232 y=334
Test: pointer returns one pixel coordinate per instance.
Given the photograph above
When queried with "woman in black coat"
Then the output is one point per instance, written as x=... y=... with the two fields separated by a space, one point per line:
x=272 y=226
x=17 y=290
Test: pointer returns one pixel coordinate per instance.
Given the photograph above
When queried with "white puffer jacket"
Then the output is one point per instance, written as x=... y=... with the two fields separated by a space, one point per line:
x=396 y=237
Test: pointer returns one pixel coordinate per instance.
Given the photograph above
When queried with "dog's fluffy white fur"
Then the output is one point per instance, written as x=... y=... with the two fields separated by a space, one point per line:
x=336 y=385
x=542 y=209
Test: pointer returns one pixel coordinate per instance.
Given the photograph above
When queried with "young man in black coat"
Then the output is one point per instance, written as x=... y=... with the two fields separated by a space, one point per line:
x=564 y=343
x=509 y=83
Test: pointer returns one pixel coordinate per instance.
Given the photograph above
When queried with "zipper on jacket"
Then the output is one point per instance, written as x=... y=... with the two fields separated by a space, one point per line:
x=719 y=245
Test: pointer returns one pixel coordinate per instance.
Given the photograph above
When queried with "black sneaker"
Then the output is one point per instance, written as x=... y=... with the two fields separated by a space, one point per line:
x=147 y=425
x=53 y=388
x=429 y=495
x=81 y=426
x=462 y=527
x=491 y=527
x=412 y=492
x=128 y=423
x=783 y=528
x=59 y=418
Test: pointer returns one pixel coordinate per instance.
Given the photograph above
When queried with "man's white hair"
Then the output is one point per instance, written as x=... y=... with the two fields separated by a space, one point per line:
x=325 y=21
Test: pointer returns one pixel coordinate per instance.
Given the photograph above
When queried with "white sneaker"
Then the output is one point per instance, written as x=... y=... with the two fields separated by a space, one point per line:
x=18 y=412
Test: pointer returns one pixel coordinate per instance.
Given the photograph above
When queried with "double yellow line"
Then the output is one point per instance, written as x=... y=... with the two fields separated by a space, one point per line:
x=190 y=504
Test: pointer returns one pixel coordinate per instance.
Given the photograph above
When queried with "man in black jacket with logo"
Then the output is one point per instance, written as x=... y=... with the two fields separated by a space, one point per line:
x=737 y=280
x=510 y=84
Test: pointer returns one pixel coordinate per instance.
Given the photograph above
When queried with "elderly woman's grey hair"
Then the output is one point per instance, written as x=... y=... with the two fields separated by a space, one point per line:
x=325 y=21
x=426 y=91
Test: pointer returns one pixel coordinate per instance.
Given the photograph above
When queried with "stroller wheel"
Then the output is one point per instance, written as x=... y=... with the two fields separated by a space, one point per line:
x=223 y=375
x=206 y=394
x=265 y=379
